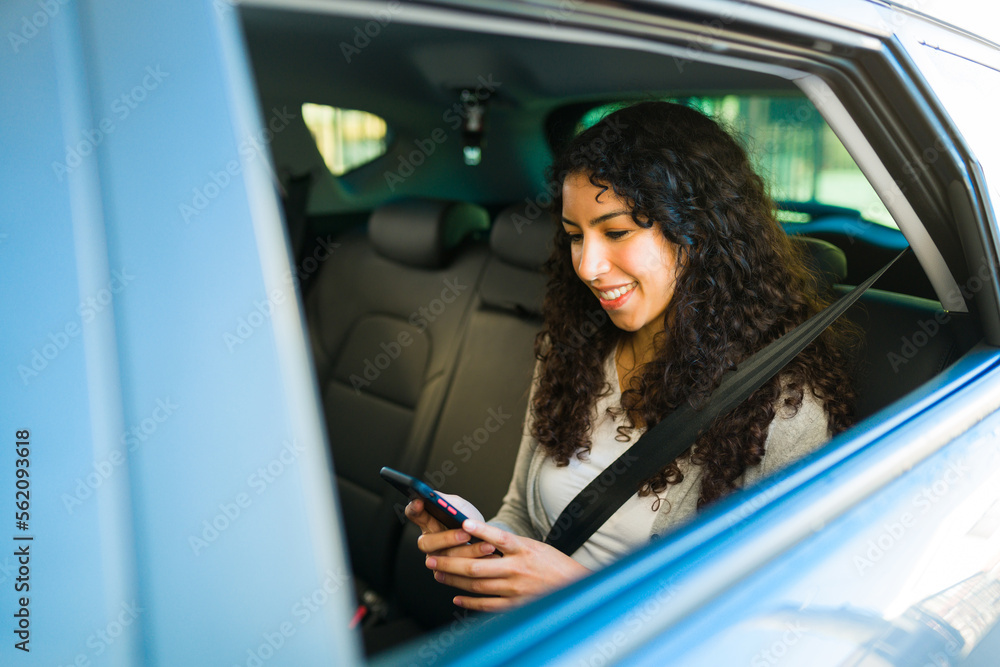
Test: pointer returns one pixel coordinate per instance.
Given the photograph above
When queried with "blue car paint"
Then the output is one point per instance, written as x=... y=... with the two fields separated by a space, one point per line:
x=153 y=348
x=181 y=504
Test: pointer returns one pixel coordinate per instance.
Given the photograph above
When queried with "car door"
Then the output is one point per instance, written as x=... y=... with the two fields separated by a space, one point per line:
x=160 y=426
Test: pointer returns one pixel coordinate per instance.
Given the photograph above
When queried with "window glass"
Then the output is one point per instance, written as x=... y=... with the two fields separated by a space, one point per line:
x=346 y=138
x=791 y=147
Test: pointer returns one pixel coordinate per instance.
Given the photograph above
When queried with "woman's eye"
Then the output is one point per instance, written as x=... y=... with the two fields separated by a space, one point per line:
x=575 y=238
x=616 y=234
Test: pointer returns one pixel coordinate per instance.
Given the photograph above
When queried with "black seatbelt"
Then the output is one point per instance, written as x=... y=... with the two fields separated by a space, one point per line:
x=668 y=439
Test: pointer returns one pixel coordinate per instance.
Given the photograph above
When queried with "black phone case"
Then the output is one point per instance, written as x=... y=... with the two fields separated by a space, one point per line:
x=436 y=506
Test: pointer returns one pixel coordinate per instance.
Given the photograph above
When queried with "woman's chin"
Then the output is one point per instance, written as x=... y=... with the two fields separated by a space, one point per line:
x=623 y=323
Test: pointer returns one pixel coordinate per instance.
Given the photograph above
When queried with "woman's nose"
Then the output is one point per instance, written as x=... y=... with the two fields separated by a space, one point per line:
x=593 y=261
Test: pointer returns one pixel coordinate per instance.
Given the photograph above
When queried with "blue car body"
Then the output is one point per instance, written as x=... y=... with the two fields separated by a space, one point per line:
x=159 y=394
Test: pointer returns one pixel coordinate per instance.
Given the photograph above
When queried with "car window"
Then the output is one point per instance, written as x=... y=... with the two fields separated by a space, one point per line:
x=346 y=138
x=792 y=147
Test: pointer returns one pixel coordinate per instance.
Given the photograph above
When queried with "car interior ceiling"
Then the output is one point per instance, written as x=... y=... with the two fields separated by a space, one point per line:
x=470 y=361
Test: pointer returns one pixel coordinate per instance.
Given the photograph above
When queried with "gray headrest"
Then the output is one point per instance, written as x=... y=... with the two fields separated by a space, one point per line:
x=422 y=232
x=825 y=258
x=522 y=236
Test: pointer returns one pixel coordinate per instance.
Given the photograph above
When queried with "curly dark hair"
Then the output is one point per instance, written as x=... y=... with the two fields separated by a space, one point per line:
x=742 y=283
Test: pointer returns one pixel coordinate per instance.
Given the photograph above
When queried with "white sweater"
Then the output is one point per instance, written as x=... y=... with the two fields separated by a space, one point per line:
x=539 y=490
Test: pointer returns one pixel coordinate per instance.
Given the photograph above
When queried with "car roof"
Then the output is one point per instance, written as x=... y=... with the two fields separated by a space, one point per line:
x=422 y=69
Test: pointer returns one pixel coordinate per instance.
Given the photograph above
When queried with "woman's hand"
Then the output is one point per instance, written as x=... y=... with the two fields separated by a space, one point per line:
x=438 y=540
x=529 y=568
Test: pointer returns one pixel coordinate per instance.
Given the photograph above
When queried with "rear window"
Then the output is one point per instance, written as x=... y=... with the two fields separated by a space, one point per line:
x=346 y=138
x=792 y=148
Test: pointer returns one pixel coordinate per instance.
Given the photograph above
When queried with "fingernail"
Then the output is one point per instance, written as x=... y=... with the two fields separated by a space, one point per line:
x=458 y=602
x=438 y=576
x=470 y=525
x=431 y=562
x=487 y=548
x=462 y=536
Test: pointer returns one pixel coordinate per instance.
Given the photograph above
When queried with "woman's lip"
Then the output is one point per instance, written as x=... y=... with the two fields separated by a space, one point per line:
x=614 y=304
x=608 y=288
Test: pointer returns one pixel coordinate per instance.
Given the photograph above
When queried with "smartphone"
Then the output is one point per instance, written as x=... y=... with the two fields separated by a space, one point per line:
x=436 y=506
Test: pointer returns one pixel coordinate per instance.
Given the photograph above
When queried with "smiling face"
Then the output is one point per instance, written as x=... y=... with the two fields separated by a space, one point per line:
x=630 y=269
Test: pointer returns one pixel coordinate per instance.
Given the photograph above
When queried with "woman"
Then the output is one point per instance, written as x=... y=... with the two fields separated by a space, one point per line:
x=665 y=227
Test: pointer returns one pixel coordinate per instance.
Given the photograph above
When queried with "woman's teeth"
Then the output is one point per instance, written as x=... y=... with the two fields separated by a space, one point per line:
x=615 y=293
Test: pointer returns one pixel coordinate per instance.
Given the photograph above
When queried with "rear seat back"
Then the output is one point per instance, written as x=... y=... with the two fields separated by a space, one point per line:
x=476 y=443
x=907 y=341
x=386 y=316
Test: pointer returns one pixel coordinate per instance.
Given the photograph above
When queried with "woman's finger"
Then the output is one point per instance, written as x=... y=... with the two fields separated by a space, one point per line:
x=475 y=550
x=474 y=568
x=433 y=542
x=492 y=587
x=415 y=512
x=414 y=508
x=506 y=543
x=492 y=604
